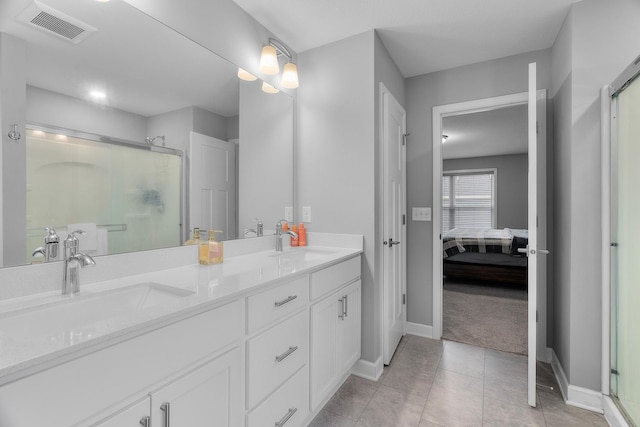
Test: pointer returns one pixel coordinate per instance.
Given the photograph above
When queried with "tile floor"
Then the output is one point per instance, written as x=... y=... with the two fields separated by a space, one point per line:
x=445 y=383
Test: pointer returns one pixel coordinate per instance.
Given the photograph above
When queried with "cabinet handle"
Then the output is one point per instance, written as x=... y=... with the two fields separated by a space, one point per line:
x=286 y=417
x=346 y=306
x=145 y=421
x=341 y=315
x=166 y=407
x=286 y=300
x=286 y=354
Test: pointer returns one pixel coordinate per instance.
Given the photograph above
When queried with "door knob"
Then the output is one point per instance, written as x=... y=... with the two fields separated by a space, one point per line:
x=391 y=242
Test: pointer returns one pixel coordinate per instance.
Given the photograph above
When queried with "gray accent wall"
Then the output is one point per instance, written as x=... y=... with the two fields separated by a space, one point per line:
x=483 y=80
x=511 y=186
x=597 y=42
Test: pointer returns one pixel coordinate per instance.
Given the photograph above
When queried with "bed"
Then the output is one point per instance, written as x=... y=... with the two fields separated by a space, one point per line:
x=485 y=255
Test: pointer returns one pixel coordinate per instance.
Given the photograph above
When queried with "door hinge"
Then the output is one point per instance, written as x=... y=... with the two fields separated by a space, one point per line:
x=614 y=244
x=404 y=138
x=537 y=316
x=615 y=372
x=404 y=298
x=404 y=219
x=537 y=127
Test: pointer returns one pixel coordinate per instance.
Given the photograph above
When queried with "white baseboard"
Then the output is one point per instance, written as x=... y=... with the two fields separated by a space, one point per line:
x=419 y=329
x=573 y=395
x=369 y=370
x=612 y=413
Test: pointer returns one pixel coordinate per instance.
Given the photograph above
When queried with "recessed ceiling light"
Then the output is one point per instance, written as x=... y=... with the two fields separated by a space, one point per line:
x=102 y=1
x=444 y=138
x=37 y=133
x=96 y=94
x=61 y=137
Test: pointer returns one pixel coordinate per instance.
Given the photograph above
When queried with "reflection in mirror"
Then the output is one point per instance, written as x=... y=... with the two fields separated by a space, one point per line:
x=135 y=79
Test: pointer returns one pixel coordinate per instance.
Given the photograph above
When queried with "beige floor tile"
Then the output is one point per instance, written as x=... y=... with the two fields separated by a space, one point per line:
x=463 y=358
x=408 y=379
x=423 y=345
x=545 y=375
x=423 y=362
x=499 y=413
x=501 y=364
x=455 y=400
x=427 y=423
x=392 y=407
x=327 y=419
x=506 y=389
x=351 y=399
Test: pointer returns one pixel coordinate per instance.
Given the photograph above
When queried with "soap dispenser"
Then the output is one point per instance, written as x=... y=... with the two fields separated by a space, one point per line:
x=196 y=238
x=211 y=252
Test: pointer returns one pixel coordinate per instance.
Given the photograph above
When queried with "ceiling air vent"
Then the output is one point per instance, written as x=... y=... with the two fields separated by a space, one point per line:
x=53 y=21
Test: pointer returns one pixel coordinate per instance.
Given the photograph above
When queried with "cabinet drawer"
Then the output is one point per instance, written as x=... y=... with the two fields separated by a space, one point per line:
x=275 y=303
x=291 y=400
x=324 y=281
x=275 y=355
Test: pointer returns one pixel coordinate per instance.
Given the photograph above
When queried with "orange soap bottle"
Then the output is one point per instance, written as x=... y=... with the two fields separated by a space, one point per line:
x=302 y=235
x=294 y=240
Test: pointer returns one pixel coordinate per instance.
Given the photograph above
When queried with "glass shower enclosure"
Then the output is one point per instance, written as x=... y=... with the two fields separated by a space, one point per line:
x=131 y=192
x=625 y=247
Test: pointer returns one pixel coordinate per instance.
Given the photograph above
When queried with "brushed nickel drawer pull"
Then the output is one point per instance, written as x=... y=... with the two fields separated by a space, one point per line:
x=145 y=421
x=286 y=300
x=286 y=417
x=346 y=306
x=166 y=407
x=341 y=315
x=286 y=354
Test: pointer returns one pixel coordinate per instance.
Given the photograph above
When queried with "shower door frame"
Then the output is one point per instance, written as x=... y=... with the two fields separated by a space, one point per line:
x=608 y=134
x=130 y=144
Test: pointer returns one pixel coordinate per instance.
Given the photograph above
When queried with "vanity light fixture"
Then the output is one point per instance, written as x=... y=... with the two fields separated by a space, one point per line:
x=269 y=63
x=245 y=75
x=267 y=88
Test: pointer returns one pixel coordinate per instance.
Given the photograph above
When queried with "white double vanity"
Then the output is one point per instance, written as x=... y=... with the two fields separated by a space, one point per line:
x=154 y=339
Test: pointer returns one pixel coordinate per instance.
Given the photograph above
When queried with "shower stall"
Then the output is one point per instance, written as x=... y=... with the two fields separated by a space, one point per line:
x=624 y=242
x=130 y=193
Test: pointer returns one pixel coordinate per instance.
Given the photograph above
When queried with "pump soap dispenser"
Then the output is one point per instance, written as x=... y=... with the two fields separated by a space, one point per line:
x=211 y=252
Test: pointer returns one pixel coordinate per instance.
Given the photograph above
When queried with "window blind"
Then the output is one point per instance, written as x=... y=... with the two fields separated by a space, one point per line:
x=468 y=200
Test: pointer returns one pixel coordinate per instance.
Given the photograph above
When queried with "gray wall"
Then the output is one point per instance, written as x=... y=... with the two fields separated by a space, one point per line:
x=511 y=185
x=335 y=154
x=487 y=79
x=598 y=40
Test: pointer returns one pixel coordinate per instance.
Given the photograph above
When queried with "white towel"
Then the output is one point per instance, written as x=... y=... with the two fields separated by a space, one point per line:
x=89 y=240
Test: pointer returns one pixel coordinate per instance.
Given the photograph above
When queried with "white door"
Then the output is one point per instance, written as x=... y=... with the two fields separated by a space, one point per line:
x=212 y=185
x=394 y=244
x=537 y=223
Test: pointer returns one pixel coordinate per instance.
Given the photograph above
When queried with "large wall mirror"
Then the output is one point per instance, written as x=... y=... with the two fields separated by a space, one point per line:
x=134 y=131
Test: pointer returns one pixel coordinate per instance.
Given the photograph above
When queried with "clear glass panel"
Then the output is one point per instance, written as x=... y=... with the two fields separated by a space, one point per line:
x=625 y=346
x=131 y=194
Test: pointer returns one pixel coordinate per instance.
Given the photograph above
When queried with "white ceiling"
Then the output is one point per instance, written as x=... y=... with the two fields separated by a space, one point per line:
x=422 y=36
x=143 y=66
x=488 y=133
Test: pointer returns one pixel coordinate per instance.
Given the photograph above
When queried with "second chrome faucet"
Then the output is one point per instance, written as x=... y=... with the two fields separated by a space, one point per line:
x=73 y=261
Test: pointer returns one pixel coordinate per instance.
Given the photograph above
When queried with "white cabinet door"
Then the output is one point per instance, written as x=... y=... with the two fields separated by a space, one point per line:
x=209 y=396
x=349 y=328
x=135 y=415
x=324 y=332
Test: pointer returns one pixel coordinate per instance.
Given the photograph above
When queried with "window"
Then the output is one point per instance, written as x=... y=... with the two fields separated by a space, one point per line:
x=469 y=199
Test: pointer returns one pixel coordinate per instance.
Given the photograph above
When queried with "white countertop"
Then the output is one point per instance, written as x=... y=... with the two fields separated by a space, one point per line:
x=26 y=348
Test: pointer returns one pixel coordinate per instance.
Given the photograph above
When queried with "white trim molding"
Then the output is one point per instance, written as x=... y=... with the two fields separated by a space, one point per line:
x=574 y=395
x=369 y=370
x=612 y=414
x=419 y=329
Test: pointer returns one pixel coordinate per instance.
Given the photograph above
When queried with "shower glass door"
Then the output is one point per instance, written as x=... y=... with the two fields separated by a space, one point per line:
x=625 y=251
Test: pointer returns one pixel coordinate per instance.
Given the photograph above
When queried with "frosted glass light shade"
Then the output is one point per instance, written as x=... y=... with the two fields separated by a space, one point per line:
x=290 y=76
x=245 y=75
x=269 y=61
x=267 y=88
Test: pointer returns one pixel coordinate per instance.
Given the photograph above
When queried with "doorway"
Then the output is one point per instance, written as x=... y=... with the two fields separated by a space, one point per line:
x=536 y=221
x=484 y=223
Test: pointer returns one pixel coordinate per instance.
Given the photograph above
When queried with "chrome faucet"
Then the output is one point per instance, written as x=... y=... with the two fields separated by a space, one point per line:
x=51 y=246
x=73 y=260
x=258 y=231
x=279 y=234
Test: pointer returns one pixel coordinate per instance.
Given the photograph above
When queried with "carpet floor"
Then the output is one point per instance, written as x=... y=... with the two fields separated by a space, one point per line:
x=485 y=315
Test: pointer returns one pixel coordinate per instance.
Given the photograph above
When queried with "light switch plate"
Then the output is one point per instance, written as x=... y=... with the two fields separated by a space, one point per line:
x=421 y=214
x=288 y=213
x=306 y=214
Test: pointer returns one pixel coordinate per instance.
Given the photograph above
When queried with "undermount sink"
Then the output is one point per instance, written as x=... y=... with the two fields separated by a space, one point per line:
x=304 y=254
x=72 y=317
